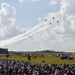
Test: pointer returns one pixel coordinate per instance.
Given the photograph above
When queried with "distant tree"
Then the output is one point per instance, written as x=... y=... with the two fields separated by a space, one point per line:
x=3 y=51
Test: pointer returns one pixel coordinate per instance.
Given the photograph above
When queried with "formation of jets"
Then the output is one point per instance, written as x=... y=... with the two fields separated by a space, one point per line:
x=52 y=18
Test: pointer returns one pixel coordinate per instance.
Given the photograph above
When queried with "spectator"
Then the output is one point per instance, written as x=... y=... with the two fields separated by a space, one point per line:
x=13 y=67
x=29 y=58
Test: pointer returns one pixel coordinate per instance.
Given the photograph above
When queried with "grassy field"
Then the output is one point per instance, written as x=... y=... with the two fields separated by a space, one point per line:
x=48 y=59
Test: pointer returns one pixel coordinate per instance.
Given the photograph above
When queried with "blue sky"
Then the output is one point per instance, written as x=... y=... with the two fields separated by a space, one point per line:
x=19 y=29
x=28 y=12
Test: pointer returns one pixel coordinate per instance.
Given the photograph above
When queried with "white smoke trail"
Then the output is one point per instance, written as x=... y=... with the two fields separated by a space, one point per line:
x=31 y=32
x=10 y=41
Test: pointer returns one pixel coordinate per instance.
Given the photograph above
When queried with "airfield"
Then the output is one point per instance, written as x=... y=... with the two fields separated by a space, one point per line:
x=46 y=59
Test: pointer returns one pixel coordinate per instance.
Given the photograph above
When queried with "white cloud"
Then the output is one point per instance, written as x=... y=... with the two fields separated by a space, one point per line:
x=67 y=13
x=21 y=1
x=58 y=36
x=53 y=1
x=7 y=22
x=35 y=0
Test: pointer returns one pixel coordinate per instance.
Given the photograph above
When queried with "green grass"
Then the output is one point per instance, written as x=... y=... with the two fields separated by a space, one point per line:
x=48 y=59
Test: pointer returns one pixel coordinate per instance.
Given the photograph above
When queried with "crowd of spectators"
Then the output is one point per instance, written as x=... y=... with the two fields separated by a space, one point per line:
x=14 y=67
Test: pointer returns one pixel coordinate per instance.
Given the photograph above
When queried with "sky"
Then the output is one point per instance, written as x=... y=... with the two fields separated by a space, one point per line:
x=23 y=25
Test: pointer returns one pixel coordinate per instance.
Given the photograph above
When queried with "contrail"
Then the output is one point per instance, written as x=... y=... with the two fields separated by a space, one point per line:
x=25 y=35
x=10 y=41
x=32 y=30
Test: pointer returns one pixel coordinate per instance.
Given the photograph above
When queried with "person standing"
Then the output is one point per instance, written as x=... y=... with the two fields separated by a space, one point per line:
x=29 y=58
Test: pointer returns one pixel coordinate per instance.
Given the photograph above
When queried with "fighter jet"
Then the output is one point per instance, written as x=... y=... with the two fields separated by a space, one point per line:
x=53 y=18
x=50 y=23
x=57 y=21
x=46 y=20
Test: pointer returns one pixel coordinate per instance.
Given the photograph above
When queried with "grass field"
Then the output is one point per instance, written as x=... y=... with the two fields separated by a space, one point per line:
x=48 y=59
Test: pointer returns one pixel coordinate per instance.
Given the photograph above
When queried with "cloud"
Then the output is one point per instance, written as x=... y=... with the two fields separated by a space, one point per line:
x=67 y=16
x=8 y=28
x=21 y=1
x=58 y=36
x=35 y=0
x=67 y=7
x=65 y=30
x=53 y=1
